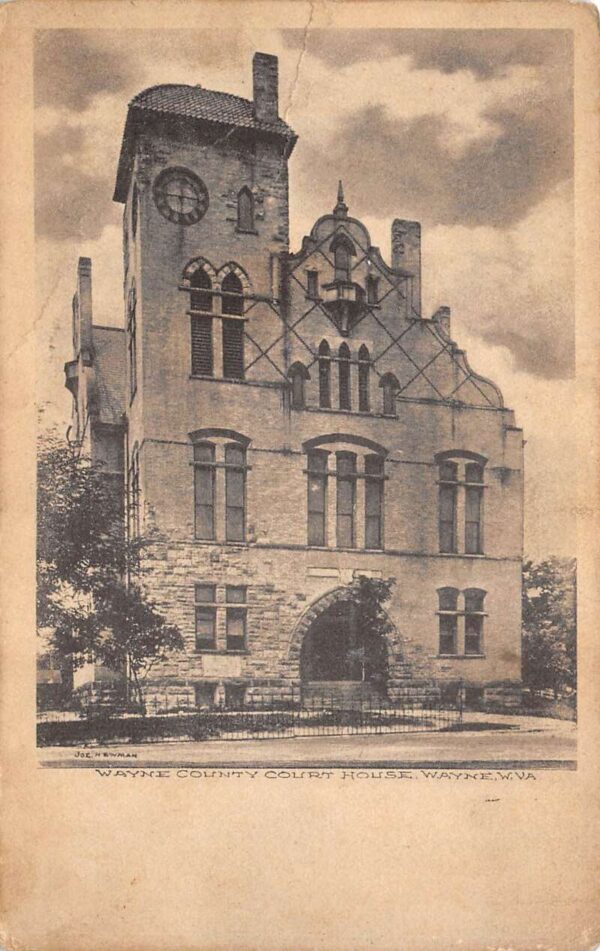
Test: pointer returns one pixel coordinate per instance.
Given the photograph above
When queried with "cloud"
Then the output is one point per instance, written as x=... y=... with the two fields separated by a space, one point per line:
x=510 y=289
x=410 y=164
x=71 y=67
x=485 y=53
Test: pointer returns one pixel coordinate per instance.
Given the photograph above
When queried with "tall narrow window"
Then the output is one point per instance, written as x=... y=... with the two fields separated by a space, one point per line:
x=231 y=292
x=372 y=289
x=245 y=210
x=134 y=211
x=233 y=349
x=201 y=296
x=134 y=494
x=204 y=490
x=474 y=615
x=235 y=618
x=364 y=366
x=206 y=613
x=235 y=493
x=389 y=385
x=132 y=342
x=448 y=475
x=202 y=346
x=317 y=497
x=344 y=376
x=298 y=374
x=473 y=504
x=324 y=375
x=342 y=249
x=312 y=284
x=448 y=620
x=374 y=501
x=346 y=495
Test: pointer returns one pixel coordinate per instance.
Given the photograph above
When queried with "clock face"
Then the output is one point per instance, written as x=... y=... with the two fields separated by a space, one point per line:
x=180 y=196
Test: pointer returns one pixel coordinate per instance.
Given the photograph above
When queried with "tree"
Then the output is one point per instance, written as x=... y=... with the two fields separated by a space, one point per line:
x=549 y=625
x=368 y=597
x=88 y=597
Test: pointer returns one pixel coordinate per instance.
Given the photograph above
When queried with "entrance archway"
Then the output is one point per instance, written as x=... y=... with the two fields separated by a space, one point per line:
x=335 y=649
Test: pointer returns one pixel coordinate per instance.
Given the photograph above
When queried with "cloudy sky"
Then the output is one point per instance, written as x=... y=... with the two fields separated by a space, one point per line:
x=469 y=132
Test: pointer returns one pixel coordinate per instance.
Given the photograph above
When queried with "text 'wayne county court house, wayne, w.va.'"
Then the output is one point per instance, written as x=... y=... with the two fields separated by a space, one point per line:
x=287 y=421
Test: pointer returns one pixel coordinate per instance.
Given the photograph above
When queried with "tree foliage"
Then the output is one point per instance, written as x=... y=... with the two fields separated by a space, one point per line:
x=549 y=625
x=87 y=594
x=369 y=597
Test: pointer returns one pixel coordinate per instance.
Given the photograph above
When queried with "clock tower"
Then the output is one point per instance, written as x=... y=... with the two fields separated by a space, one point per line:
x=204 y=183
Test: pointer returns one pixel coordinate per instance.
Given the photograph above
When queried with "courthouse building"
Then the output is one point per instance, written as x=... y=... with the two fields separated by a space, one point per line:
x=284 y=421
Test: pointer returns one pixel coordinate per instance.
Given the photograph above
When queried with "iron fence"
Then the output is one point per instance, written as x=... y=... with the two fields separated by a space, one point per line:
x=263 y=715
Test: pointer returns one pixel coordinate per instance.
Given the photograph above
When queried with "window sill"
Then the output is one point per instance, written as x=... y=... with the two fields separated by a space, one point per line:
x=460 y=554
x=220 y=541
x=245 y=230
x=221 y=652
x=367 y=551
x=459 y=656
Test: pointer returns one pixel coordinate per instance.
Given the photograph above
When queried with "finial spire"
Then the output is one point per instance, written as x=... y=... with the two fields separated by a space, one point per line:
x=341 y=209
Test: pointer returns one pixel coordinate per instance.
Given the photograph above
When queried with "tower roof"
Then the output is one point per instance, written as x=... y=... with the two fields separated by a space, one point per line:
x=195 y=103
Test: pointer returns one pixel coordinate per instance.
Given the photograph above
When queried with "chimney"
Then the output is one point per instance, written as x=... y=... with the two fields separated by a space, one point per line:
x=406 y=254
x=84 y=299
x=265 y=76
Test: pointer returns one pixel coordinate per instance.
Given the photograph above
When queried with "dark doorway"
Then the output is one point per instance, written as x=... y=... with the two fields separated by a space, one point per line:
x=334 y=648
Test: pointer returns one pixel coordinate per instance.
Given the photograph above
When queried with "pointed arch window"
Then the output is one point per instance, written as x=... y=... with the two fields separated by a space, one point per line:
x=232 y=291
x=364 y=366
x=324 y=375
x=390 y=386
x=344 y=376
x=245 y=210
x=201 y=287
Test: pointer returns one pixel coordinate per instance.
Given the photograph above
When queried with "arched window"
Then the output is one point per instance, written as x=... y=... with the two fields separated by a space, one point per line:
x=201 y=284
x=204 y=490
x=364 y=365
x=324 y=375
x=457 y=476
x=473 y=507
x=245 y=210
x=317 y=497
x=374 y=482
x=298 y=374
x=232 y=290
x=344 y=376
x=342 y=249
x=448 y=620
x=372 y=289
x=346 y=499
x=235 y=493
x=390 y=386
x=474 y=615
x=448 y=480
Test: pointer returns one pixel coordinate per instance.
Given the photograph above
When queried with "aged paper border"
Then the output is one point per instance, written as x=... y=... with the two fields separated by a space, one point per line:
x=116 y=863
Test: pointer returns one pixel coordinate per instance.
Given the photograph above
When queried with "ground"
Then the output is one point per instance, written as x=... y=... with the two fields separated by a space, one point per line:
x=485 y=741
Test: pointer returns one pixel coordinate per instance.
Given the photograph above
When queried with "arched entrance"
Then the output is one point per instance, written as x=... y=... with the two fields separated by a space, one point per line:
x=334 y=648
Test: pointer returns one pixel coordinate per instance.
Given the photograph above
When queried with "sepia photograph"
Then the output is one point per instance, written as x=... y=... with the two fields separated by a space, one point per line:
x=299 y=493
x=306 y=369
